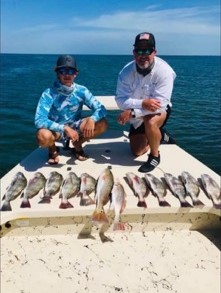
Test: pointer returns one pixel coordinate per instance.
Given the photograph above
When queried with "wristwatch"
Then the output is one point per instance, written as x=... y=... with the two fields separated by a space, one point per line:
x=132 y=113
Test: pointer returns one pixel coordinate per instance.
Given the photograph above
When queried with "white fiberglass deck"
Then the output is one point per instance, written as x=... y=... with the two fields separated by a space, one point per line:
x=163 y=249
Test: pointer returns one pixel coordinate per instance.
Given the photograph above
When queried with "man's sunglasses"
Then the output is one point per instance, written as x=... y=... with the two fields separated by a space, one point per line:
x=66 y=71
x=144 y=52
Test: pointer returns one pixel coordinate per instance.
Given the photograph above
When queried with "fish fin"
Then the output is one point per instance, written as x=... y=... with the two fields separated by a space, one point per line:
x=22 y=195
x=86 y=201
x=197 y=202
x=45 y=199
x=25 y=203
x=119 y=226
x=142 y=204
x=99 y=216
x=65 y=205
x=185 y=204
x=164 y=203
x=6 y=206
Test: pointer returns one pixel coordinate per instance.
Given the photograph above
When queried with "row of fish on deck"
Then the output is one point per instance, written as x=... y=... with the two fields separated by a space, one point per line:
x=106 y=189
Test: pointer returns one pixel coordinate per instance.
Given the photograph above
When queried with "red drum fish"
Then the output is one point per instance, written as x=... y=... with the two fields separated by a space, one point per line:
x=104 y=186
x=118 y=203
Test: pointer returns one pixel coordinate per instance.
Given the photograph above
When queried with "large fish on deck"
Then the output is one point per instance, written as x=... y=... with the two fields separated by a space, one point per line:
x=177 y=188
x=139 y=188
x=157 y=188
x=104 y=186
x=212 y=190
x=33 y=187
x=15 y=188
x=88 y=185
x=70 y=188
x=118 y=203
x=192 y=187
x=52 y=186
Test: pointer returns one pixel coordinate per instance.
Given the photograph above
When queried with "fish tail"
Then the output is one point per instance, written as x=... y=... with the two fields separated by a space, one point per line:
x=142 y=204
x=197 y=202
x=45 y=199
x=217 y=206
x=86 y=201
x=99 y=216
x=25 y=203
x=119 y=226
x=164 y=203
x=65 y=205
x=6 y=206
x=185 y=204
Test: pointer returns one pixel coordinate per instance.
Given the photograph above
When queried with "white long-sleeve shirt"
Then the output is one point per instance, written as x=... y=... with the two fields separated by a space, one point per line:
x=133 y=87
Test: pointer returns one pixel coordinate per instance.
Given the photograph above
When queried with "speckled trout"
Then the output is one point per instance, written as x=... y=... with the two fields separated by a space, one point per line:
x=104 y=186
x=157 y=188
x=192 y=187
x=212 y=190
x=177 y=188
x=88 y=185
x=52 y=186
x=70 y=188
x=33 y=187
x=138 y=187
x=15 y=188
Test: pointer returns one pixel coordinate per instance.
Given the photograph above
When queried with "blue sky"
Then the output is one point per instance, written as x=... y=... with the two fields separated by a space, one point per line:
x=188 y=27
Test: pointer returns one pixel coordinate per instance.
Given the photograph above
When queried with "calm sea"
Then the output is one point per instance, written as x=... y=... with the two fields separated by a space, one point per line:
x=195 y=122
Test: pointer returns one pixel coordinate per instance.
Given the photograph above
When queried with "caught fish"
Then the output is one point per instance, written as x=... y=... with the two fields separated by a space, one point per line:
x=70 y=188
x=212 y=190
x=88 y=184
x=138 y=187
x=192 y=187
x=157 y=188
x=15 y=188
x=118 y=203
x=102 y=195
x=52 y=186
x=177 y=188
x=33 y=187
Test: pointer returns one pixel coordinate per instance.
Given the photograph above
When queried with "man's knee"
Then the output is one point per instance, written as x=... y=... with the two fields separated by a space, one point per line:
x=44 y=137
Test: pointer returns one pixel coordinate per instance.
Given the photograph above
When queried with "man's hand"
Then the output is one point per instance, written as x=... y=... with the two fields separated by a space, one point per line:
x=150 y=104
x=124 y=117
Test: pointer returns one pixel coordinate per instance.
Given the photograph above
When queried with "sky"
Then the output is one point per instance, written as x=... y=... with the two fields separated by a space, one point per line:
x=181 y=27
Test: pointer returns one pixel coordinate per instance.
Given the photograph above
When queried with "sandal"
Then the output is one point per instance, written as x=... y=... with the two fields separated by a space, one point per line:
x=53 y=156
x=80 y=155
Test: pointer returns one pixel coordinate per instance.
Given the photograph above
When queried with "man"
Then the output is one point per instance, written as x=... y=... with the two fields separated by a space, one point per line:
x=59 y=112
x=144 y=90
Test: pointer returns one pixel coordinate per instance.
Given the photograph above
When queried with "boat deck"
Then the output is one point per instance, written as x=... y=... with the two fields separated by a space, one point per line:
x=161 y=246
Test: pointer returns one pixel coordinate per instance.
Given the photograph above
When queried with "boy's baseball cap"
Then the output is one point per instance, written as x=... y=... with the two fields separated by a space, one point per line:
x=66 y=61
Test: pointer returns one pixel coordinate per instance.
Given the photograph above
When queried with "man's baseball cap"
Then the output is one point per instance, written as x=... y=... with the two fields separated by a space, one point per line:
x=146 y=40
x=66 y=61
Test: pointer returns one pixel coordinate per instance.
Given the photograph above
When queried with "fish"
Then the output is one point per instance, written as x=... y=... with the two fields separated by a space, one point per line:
x=177 y=188
x=88 y=185
x=157 y=188
x=138 y=187
x=52 y=186
x=70 y=188
x=118 y=203
x=212 y=190
x=15 y=188
x=33 y=187
x=192 y=187
x=103 y=189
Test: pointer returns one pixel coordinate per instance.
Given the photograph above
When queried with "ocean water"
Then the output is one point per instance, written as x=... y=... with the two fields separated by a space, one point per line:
x=195 y=122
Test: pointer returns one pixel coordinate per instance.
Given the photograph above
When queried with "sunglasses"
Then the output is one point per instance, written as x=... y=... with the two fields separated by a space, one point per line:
x=66 y=71
x=143 y=52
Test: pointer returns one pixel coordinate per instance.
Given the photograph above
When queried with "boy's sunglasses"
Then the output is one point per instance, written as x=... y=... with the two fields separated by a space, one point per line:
x=66 y=71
